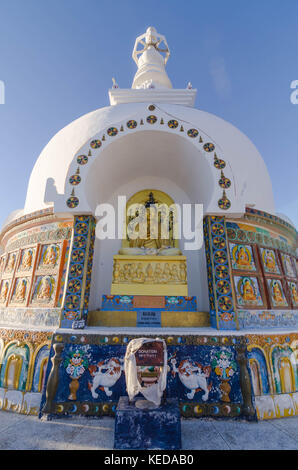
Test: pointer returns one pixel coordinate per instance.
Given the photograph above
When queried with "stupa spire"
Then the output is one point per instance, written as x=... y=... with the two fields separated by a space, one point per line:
x=151 y=63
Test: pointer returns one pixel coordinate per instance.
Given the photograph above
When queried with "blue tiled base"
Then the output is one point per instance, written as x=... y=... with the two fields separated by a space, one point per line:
x=147 y=429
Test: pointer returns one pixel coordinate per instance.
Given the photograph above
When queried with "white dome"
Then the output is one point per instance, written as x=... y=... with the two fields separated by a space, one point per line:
x=49 y=181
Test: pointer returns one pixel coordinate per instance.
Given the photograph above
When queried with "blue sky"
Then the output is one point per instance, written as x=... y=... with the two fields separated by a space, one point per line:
x=57 y=59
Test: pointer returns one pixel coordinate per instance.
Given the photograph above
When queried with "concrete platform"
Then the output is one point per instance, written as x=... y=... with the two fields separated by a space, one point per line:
x=20 y=432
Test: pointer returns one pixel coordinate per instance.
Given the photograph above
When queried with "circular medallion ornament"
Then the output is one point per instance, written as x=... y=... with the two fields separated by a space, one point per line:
x=79 y=241
x=224 y=182
x=224 y=203
x=82 y=159
x=208 y=147
x=75 y=179
x=81 y=228
x=151 y=119
x=219 y=164
x=78 y=256
x=219 y=242
x=131 y=124
x=232 y=235
x=72 y=202
x=76 y=270
x=223 y=287
x=220 y=257
x=151 y=107
x=225 y=303
x=222 y=271
x=217 y=229
x=72 y=302
x=173 y=124
x=192 y=133
x=112 y=131
x=74 y=286
x=95 y=144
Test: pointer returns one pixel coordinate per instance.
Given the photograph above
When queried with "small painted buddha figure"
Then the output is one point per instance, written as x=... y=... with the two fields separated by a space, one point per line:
x=45 y=290
x=11 y=262
x=248 y=291
x=27 y=260
x=277 y=294
x=269 y=261
x=4 y=292
x=21 y=291
x=243 y=259
x=50 y=256
x=294 y=293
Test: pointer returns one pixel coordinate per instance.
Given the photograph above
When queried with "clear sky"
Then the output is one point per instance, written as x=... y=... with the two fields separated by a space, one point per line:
x=57 y=59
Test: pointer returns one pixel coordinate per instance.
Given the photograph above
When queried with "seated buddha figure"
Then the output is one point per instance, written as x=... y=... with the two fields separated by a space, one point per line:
x=44 y=292
x=269 y=261
x=294 y=293
x=50 y=256
x=277 y=293
x=21 y=291
x=27 y=260
x=248 y=292
x=150 y=224
x=242 y=258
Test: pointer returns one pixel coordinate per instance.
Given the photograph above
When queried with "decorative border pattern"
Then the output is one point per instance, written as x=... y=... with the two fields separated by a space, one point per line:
x=79 y=273
x=97 y=144
x=222 y=307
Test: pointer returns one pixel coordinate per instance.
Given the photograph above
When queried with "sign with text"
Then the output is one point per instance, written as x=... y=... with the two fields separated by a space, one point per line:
x=150 y=354
x=149 y=317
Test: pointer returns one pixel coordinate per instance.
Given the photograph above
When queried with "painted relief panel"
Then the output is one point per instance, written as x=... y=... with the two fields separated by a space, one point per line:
x=4 y=290
x=269 y=261
x=242 y=257
x=293 y=289
x=11 y=262
x=248 y=291
x=26 y=259
x=276 y=293
x=20 y=290
x=44 y=290
x=288 y=265
x=50 y=255
x=2 y=264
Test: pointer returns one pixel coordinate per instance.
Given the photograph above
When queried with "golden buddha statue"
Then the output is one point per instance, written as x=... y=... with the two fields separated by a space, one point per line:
x=248 y=292
x=152 y=222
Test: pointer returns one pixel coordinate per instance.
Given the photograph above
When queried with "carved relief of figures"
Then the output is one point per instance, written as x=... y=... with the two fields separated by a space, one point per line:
x=248 y=291
x=151 y=273
x=27 y=259
x=43 y=289
x=242 y=257
x=20 y=290
x=4 y=291
x=11 y=262
x=50 y=255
